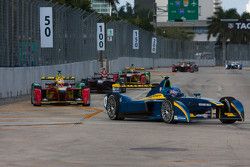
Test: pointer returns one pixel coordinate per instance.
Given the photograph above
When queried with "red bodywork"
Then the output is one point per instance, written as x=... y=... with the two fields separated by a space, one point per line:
x=185 y=67
x=67 y=94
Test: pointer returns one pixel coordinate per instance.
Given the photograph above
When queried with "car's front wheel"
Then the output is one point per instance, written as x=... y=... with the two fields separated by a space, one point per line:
x=167 y=112
x=112 y=107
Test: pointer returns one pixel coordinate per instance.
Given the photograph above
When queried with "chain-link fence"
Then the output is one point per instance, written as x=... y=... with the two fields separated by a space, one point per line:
x=121 y=45
x=238 y=52
x=74 y=31
x=75 y=38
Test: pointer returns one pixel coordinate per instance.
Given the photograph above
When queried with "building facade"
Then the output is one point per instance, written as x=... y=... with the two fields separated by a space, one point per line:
x=101 y=6
x=206 y=9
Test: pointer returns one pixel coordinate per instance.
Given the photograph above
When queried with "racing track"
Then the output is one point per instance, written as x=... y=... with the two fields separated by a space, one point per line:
x=78 y=136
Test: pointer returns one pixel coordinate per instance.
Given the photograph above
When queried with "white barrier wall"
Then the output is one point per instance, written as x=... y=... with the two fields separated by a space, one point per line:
x=17 y=81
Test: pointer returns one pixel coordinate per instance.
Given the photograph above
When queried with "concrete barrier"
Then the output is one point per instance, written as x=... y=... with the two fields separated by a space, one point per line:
x=17 y=81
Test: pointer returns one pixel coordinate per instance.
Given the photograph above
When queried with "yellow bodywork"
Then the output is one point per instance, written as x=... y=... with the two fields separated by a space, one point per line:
x=117 y=85
x=157 y=96
x=134 y=68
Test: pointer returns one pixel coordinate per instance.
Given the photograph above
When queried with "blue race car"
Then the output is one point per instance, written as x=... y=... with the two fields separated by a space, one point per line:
x=234 y=65
x=169 y=104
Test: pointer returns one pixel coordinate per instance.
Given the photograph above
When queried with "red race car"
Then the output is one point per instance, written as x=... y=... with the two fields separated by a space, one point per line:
x=102 y=83
x=185 y=67
x=57 y=91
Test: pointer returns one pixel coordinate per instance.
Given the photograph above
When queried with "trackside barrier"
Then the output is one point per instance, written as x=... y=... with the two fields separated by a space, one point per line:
x=17 y=81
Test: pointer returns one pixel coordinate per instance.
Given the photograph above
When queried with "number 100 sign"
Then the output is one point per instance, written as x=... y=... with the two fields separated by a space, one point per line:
x=100 y=36
x=46 y=27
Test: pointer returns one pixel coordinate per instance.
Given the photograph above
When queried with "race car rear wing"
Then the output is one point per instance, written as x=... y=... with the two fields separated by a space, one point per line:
x=117 y=85
x=134 y=68
x=54 y=78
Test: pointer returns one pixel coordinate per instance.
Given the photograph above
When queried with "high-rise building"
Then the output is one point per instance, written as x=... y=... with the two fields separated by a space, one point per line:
x=101 y=6
x=206 y=9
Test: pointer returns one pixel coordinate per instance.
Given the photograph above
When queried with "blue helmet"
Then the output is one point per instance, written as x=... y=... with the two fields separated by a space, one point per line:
x=172 y=91
x=176 y=92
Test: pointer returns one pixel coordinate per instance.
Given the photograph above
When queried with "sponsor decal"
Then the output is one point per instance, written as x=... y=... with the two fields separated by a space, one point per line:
x=204 y=104
x=105 y=101
x=99 y=81
x=239 y=25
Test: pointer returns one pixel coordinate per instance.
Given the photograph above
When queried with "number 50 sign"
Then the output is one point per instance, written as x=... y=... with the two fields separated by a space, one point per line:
x=46 y=27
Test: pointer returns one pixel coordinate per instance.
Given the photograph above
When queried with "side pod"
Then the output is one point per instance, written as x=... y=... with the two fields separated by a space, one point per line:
x=237 y=108
x=182 y=113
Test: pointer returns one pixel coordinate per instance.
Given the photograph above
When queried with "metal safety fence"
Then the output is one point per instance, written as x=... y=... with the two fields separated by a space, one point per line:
x=238 y=52
x=75 y=38
x=121 y=45
x=74 y=31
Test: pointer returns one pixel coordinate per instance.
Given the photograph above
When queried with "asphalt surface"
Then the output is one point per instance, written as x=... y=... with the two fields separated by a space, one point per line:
x=84 y=136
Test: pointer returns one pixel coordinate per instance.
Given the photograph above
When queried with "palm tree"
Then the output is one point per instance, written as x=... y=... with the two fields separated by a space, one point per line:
x=113 y=4
x=218 y=28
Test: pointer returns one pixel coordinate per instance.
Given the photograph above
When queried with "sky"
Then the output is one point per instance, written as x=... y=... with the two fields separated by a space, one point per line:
x=240 y=5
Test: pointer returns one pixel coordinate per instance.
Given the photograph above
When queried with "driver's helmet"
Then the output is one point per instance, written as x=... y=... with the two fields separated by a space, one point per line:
x=104 y=72
x=175 y=92
x=172 y=91
x=59 y=79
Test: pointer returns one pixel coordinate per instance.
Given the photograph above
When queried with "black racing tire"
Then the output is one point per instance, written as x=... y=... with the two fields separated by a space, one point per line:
x=113 y=107
x=229 y=121
x=174 y=69
x=226 y=101
x=167 y=112
x=191 y=70
x=32 y=96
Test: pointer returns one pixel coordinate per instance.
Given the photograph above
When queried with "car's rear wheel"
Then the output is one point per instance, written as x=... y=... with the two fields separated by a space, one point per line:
x=196 y=68
x=113 y=107
x=191 y=69
x=32 y=96
x=36 y=97
x=174 y=69
x=167 y=112
x=227 y=108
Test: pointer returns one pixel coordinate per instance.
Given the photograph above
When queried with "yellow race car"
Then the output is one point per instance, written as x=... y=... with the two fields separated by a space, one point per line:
x=56 y=90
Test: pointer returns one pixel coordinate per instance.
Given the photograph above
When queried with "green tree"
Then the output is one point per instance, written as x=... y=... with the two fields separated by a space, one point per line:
x=113 y=3
x=218 y=28
x=175 y=33
x=139 y=17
